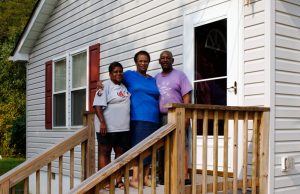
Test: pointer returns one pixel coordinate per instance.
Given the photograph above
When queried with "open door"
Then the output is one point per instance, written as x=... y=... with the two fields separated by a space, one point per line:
x=210 y=80
x=211 y=63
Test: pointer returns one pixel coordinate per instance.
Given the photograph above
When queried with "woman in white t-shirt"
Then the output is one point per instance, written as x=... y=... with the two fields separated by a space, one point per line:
x=112 y=120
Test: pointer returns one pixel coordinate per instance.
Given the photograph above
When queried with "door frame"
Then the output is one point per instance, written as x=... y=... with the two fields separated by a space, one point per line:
x=208 y=12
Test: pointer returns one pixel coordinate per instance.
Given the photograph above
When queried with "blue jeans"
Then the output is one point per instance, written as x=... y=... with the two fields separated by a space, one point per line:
x=139 y=130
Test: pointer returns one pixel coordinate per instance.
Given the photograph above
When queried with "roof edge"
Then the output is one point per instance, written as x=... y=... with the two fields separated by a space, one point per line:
x=19 y=57
x=17 y=45
x=18 y=53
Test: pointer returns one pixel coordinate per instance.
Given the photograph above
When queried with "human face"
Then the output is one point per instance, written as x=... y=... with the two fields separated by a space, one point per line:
x=166 y=60
x=142 y=63
x=116 y=75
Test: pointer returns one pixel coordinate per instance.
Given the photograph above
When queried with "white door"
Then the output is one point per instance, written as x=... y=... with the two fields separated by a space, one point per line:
x=211 y=58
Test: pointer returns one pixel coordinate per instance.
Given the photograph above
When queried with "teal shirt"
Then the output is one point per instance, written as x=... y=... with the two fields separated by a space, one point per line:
x=144 y=105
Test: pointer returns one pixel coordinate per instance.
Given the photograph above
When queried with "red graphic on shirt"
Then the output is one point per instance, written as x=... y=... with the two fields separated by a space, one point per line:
x=122 y=94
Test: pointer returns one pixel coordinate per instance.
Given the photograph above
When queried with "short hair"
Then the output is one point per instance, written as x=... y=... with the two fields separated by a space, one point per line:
x=167 y=51
x=141 y=53
x=113 y=65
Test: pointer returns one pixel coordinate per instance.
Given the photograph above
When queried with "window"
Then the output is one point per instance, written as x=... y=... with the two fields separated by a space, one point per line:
x=70 y=89
x=78 y=89
x=69 y=95
x=59 y=93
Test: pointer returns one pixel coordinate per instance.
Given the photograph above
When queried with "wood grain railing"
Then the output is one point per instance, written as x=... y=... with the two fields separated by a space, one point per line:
x=239 y=121
x=171 y=137
x=84 y=137
x=248 y=123
x=133 y=157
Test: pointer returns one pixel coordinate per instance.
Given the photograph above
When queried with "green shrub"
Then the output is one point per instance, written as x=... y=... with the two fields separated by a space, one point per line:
x=18 y=138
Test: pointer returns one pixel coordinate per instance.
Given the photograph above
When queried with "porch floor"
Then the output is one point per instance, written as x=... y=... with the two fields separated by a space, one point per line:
x=160 y=188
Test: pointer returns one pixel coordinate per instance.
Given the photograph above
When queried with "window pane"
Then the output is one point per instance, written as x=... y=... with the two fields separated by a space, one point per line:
x=211 y=92
x=79 y=70
x=78 y=107
x=60 y=75
x=59 y=112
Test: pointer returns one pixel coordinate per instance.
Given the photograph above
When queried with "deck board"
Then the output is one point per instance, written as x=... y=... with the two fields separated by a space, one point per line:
x=160 y=188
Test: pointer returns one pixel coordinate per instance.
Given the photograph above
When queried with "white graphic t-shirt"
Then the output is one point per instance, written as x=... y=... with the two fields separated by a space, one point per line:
x=115 y=101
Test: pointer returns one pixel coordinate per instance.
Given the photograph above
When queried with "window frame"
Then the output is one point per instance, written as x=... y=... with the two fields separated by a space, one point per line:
x=68 y=91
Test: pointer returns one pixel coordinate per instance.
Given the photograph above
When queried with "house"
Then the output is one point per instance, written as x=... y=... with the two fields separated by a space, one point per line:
x=246 y=51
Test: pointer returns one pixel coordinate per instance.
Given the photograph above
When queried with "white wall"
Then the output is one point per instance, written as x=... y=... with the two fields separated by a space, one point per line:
x=54 y=183
x=122 y=28
x=254 y=55
x=287 y=89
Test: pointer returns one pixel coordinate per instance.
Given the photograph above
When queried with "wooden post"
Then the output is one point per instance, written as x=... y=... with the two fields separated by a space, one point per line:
x=153 y=169
x=4 y=188
x=26 y=185
x=235 y=152
x=83 y=161
x=215 y=153
x=177 y=150
x=255 y=151
x=88 y=120
x=72 y=168
x=38 y=182
x=225 y=161
x=245 y=154
x=194 y=150
x=167 y=165
x=49 y=178
x=126 y=179
x=90 y=154
x=60 y=174
x=204 y=152
x=264 y=152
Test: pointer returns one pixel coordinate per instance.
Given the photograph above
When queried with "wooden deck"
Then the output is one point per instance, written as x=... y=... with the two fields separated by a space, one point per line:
x=147 y=190
x=170 y=137
x=160 y=188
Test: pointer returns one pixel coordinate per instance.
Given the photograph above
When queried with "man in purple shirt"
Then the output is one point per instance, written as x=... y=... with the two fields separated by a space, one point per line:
x=174 y=87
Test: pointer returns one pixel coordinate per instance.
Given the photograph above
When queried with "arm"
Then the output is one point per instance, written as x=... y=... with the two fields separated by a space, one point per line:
x=99 y=113
x=187 y=100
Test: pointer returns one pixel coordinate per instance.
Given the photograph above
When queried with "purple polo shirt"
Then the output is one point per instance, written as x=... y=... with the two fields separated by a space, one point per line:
x=172 y=87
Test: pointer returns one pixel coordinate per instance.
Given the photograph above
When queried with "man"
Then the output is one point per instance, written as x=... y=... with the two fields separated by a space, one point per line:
x=174 y=87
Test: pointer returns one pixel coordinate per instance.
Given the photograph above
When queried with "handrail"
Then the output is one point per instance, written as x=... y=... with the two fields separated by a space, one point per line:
x=124 y=159
x=85 y=137
x=28 y=167
x=172 y=138
x=217 y=107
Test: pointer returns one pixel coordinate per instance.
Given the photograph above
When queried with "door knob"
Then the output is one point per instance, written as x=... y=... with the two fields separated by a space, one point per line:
x=234 y=87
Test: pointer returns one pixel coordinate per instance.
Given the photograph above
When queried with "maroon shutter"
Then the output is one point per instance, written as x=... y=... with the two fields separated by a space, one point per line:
x=48 y=91
x=94 y=62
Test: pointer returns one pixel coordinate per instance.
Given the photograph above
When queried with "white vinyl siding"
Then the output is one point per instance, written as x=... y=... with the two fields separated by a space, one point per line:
x=287 y=101
x=254 y=61
x=254 y=54
x=122 y=28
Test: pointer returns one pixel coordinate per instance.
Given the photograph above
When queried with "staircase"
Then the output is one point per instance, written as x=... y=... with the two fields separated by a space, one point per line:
x=171 y=137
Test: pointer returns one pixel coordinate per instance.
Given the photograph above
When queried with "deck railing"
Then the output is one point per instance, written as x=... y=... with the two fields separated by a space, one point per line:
x=84 y=137
x=251 y=122
x=239 y=120
x=171 y=137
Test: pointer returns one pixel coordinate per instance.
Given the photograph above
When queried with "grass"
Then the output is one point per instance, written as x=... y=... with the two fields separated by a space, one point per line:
x=7 y=164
